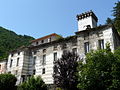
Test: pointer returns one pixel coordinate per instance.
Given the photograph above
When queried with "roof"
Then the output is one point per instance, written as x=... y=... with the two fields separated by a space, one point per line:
x=22 y=48
x=87 y=14
x=60 y=40
x=45 y=37
x=93 y=29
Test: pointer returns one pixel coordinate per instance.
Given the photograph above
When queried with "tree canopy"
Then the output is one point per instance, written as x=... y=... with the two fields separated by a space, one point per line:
x=116 y=15
x=65 y=70
x=101 y=71
x=33 y=83
x=7 y=82
x=9 y=40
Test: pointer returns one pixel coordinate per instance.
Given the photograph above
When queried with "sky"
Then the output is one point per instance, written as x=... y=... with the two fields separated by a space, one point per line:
x=38 y=18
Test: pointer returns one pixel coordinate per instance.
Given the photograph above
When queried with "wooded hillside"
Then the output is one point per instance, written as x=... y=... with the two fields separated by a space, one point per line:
x=9 y=40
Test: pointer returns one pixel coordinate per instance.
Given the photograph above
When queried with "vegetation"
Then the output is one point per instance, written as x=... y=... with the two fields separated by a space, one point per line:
x=7 y=82
x=33 y=83
x=65 y=70
x=10 y=41
x=116 y=14
x=101 y=71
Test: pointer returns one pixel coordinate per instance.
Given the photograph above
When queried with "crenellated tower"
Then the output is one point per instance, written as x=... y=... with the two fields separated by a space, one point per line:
x=87 y=20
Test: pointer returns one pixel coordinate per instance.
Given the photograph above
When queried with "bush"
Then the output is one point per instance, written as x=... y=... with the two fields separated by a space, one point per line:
x=33 y=84
x=7 y=82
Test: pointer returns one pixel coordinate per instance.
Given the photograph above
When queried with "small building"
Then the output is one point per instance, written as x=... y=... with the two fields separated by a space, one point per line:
x=3 y=66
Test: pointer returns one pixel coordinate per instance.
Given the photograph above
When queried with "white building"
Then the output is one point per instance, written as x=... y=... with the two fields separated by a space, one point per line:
x=38 y=58
x=3 y=66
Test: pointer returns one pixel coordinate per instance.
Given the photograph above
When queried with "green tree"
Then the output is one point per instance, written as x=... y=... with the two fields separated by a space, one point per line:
x=9 y=41
x=7 y=82
x=116 y=72
x=109 y=21
x=33 y=83
x=116 y=14
x=65 y=70
x=101 y=71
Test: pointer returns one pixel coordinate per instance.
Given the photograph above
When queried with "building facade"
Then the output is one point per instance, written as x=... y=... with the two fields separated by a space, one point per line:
x=3 y=66
x=38 y=58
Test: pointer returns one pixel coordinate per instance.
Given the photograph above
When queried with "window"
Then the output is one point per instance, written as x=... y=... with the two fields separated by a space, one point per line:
x=34 y=60
x=55 y=47
x=9 y=72
x=36 y=43
x=74 y=44
x=0 y=67
x=34 y=71
x=42 y=41
x=88 y=26
x=86 y=47
x=86 y=36
x=17 y=62
x=100 y=34
x=64 y=51
x=64 y=46
x=23 y=78
x=35 y=52
x=16 y=72
x=44 y=60
x=12 y=55
x=49 y=39
x=43 y=71
x=55 y=56
x=11 y=63
x=101 y=44
x=74 y=50
x=44 y=50
x=18 y=53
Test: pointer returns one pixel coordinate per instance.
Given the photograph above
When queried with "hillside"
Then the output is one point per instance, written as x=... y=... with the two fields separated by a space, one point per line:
x=9 y=40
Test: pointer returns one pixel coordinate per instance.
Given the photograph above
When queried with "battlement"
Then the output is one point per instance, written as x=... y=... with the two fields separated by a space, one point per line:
x=87 y=14
x=87 y=20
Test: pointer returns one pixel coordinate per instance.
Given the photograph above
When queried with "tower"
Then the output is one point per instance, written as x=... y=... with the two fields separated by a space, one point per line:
x=87 y=20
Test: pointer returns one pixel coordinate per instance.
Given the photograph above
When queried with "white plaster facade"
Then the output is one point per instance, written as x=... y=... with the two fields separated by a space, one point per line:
x=3 y=66
x=37 y=59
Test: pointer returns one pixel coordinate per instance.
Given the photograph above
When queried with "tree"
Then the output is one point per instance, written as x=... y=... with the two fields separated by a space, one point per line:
x=65 y=70
x=109 y=21
x=101 y=71
x=9 y=41
x=116 y=14
x=116 y=72
x=7 y=82
x=33 y=83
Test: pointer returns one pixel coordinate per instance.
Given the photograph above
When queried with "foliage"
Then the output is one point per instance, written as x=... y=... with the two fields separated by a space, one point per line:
x=116 y=14
x=109 y=21
x=65 y=70
x=116 y=72
x=10 y=41
x=101 y=71
x=33 y=83
x=7 y=82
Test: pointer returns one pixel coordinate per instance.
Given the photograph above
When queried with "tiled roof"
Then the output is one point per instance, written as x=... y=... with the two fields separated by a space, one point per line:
x=45 y=37
x=60 y=40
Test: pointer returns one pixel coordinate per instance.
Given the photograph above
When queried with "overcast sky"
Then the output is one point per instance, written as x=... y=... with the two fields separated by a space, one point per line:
x=42 y=17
